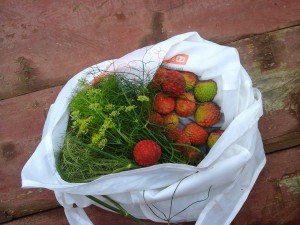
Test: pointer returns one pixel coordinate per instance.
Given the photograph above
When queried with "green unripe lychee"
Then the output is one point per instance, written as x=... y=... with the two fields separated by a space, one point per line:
x=205 y=90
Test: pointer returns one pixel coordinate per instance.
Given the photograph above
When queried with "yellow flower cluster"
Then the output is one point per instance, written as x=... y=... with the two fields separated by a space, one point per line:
x=99 y=138
x=143 y=98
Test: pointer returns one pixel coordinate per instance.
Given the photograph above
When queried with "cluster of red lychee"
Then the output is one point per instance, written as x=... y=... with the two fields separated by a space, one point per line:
x=180 y=94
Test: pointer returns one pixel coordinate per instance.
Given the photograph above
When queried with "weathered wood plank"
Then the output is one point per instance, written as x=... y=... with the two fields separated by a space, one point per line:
x=280 y=130
x=98 y=217
x=273 y=60
x=44 y=43
x=275 y=199
x=21 y=123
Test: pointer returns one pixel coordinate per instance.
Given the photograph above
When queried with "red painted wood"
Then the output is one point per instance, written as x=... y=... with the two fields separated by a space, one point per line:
x=280 y=130
x=44 y=43
x=98 y=217
x=272 y=61
x=21 y=123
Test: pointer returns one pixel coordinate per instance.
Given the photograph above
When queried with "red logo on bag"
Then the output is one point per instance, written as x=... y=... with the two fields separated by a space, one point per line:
x=180 y=59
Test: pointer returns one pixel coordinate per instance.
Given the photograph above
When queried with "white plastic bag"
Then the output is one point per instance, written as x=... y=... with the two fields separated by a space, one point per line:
x=211 y=193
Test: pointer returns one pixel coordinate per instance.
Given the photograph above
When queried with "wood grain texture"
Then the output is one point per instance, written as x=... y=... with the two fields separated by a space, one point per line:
x=44 y=43
x=280 y=130
x=21 y=123
x=98 y=217
x=272 y=60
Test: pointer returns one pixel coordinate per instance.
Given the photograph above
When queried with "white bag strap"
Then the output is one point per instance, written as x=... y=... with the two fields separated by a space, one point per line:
x=77 y=216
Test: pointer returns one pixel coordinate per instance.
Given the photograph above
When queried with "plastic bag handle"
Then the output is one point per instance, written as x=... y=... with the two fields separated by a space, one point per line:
x=77 y=216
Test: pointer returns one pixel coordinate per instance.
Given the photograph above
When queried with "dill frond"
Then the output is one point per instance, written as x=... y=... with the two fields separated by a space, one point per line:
x=106 y=121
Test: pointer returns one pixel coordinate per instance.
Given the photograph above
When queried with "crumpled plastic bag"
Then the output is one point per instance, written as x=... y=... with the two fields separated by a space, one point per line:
x=212 y=192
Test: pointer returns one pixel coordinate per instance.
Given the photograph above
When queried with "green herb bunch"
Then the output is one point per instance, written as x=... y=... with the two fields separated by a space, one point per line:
x=106 y=121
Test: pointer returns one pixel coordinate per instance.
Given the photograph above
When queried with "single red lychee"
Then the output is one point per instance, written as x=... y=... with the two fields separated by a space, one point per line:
x=185 y=105
x=171 y=120
x=190 y=80
x=196 y=134
x=207 y=114
x=183 y=139
x=158 y=78
x=174 y=134
x=156 y=118
x=194 y=157
x=213 y=137
x=173 y=83
x=163 y=104
x=147 y=153
x=179 y=137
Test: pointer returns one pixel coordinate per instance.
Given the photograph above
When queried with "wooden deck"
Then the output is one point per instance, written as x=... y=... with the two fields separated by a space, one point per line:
x=44 y=43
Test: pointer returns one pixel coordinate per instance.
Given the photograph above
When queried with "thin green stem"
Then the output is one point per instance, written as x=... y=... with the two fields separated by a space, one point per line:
x=128 y=167
x=99 y=151
x=118 y=209
x=189 y=146
x=104 y=204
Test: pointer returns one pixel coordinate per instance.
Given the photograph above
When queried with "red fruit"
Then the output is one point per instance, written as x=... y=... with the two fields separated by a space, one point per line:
x=171 y=120
x=179 y=137
x=194 y=156
x=196 y=134
x=158 y=78
x=183 y=139
x=173 y=83
x=163 y=104
x=185 y=105
x=207 y=114
x=147 y=153
x=174 y=134
x=190 y=80
x=156 y=118
x=213 y=137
